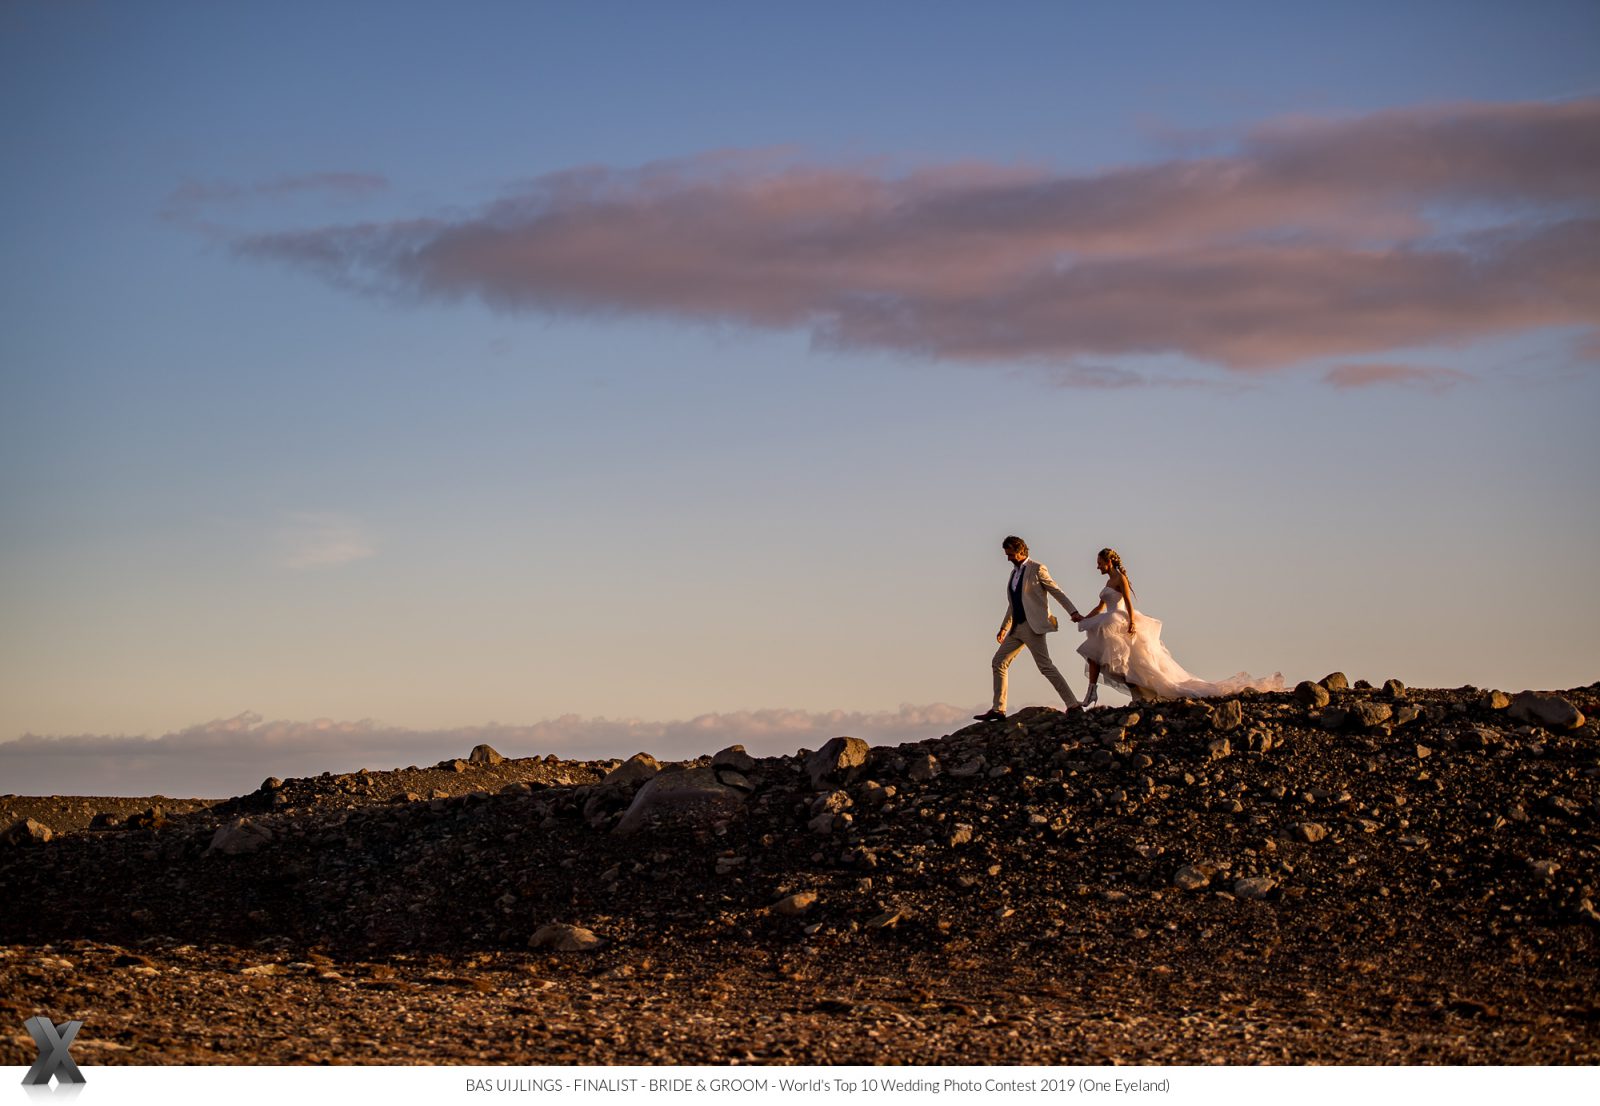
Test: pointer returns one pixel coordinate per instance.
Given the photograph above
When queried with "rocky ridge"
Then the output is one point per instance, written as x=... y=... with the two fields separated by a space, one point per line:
x=1334 y=873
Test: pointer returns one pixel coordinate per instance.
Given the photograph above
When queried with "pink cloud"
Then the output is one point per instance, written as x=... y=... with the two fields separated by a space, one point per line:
x=1314 y=238
x=1430 y=377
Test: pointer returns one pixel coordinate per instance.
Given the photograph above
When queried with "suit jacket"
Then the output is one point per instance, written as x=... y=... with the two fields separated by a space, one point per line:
x=1037 y=587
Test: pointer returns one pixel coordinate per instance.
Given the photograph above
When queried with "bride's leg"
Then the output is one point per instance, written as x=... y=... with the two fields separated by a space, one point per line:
x=1093 y=694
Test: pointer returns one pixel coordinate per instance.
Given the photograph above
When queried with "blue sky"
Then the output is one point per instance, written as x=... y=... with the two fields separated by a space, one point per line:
x=443 y=481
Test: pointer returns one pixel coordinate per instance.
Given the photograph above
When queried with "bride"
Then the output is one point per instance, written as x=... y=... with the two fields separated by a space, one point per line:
x=1125 y=645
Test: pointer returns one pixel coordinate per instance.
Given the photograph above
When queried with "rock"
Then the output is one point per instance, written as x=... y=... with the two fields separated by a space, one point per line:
x=1256 y=887
x=792 y=906
x=970 y=768
x=271 y=783
x=923 y=768
x=1190 y=878
x=822 y=824
x=485 y=754
x=1544 y=869
x=1227 y=716
x=887 y=920
x=875 y=794
x=1494 y=700
x=1550 y=711
x=687 y=794
x=1394 y=689
x=565 y=938
x=961 y=834
x=1366 y=715
x=636 y=769
x=26 y=832
x=1218 y=748
x=239 y=837
x=840 y=760
x=1335 y=681
x=1312 y=695
x=1361 y=685
x=833 y=802
x=733 y=757
x=1310 y=832
x=1333 y=718
x=104 y=820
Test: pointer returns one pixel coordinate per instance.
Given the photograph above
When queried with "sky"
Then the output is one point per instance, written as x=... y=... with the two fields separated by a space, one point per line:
x=380 y=378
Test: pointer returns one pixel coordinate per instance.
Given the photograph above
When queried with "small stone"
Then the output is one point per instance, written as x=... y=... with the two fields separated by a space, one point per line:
x=271 y=783
x=792 y=906
x=822 y=824
x=485 y=754
x=1219 y=748
x=565 y=938
x=1394 y=689
x=1335 y=681
x=1423 y=752
x=923 y=768
x=961 y=835
x=1333 y=718
x=1255 y=887
x=1227 y=716
x=1494 y=700
x=1190 y=878
x=1544 y=869
x=970 y=768
x=1310 y=832
x=887 y=920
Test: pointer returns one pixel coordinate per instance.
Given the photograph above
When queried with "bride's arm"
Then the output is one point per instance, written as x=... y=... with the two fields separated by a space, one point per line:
x=1127 y=597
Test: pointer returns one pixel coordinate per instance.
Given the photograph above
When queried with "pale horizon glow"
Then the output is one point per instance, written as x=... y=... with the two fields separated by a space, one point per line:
x=505 y=372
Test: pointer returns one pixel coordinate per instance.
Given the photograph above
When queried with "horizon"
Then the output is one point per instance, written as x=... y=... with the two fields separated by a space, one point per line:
x=644 y=374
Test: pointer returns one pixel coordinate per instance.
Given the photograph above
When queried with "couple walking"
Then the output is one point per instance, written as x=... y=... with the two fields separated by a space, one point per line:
x=1120 y=643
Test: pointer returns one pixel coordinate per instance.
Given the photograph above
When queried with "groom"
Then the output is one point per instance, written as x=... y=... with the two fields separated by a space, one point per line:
x=1027 y=620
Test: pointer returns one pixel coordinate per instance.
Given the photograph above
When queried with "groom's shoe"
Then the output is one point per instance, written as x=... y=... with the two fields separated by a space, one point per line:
x=991 y=716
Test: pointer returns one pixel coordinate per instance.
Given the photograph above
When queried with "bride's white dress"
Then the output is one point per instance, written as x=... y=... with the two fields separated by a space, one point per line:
x=1142 y=660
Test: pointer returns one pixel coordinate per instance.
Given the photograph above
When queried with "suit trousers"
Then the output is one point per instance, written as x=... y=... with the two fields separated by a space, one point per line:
x=1022 y=634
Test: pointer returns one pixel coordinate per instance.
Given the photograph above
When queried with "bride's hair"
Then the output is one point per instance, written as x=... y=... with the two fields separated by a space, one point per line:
x=1114 y=560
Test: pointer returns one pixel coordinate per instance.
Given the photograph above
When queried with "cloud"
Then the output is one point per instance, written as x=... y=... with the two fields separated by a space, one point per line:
x=1429 y=377
x=322 y=540
x=1311 y=238
x=229 y=756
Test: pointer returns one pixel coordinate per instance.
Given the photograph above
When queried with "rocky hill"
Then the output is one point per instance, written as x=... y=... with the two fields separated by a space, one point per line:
x=1334 y=874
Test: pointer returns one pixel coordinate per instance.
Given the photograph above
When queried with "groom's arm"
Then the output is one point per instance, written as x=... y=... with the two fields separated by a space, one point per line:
x=1049 y=586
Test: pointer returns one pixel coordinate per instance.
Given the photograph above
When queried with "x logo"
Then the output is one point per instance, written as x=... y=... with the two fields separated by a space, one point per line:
x=53 y=1042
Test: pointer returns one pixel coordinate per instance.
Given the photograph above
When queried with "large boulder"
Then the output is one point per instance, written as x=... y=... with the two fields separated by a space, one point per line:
x=635 y=770
x=683 y=795
x=485 y=754
x=1550 y=711
x=239 y=837
x=839 y=761
x=26 y=832
x=1312 y=695
x=734 y=757
x=1335 y=681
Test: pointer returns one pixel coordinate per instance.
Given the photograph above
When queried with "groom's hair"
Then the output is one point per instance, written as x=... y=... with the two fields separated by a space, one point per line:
x=1014 y=544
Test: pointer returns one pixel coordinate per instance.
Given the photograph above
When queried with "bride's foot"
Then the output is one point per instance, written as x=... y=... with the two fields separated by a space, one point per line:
x=1093 y=696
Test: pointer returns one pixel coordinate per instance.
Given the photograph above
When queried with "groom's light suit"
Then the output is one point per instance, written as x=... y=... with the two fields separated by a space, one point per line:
x=1033 y=582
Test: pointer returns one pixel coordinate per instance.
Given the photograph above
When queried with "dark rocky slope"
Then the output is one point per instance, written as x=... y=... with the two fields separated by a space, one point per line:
x=1388 y=875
